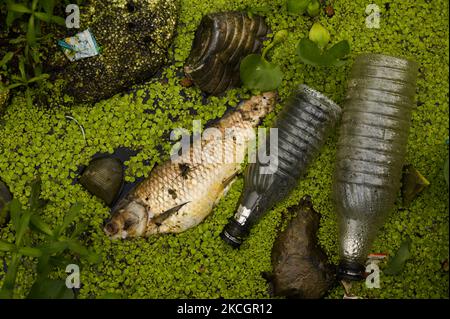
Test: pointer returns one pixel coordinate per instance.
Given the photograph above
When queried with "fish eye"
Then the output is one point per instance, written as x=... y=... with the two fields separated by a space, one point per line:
x=111 y=228
x=128 y=223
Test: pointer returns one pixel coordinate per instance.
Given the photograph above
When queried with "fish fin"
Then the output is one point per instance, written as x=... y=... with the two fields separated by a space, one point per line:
x=228 y=181
x=226 y=187
x=158 y=220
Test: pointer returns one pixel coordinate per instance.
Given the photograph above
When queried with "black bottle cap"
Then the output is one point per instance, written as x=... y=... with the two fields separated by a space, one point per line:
x=233 y=233
x=351 y=271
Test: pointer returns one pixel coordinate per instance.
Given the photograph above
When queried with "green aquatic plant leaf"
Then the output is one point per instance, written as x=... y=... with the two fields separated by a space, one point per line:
x=297 y=6
x=397 y=263
x=79 y=249
x=43 y=16
x=313 y=8
x=262 y=10
x=5 y=246
x=31 y=31
x=15 y=211
x=38 y=224
x=22 y=227
x=446 y=164
x=17 y=7
x=36 y=186
x=319 y=35
x=70 y=216
x=6 y=58
x=259 y=74
x=45 y=288
x=337 y=52
x=58 y=20
x=310 y=53
x=9 y=281
x=48 y=5
x=30 y=252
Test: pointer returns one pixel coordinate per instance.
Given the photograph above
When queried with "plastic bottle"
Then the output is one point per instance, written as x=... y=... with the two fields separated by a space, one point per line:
x=371 y=152
x=303 y=125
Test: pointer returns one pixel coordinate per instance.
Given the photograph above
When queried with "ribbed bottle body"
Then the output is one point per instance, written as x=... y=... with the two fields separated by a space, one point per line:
x=302 y=128
x=371 y=152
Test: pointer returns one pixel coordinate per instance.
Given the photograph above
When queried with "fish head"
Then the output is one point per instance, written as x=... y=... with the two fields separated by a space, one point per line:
x=128 y=220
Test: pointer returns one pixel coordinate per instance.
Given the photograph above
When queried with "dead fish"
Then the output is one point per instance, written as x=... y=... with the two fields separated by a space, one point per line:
x=178 y=195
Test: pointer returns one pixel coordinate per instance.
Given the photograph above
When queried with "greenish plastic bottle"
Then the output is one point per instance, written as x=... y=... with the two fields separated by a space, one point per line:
x=371 y=152
x=302 y=127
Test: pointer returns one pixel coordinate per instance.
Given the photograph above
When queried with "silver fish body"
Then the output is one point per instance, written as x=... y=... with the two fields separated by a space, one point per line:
x=180 y=194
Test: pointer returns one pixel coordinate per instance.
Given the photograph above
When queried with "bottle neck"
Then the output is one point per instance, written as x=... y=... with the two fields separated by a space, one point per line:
x=248 y=209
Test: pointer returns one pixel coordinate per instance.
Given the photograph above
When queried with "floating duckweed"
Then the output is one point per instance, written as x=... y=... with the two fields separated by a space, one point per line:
x=196 y=263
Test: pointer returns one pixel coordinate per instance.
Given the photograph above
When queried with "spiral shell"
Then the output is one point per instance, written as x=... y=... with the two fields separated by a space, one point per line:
x=222 y=40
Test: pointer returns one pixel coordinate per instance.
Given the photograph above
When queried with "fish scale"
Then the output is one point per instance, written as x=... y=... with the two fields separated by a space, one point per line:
x=186 y=190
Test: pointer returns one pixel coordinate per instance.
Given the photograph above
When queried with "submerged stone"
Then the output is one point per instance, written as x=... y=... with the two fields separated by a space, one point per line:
x=134 y=37
x=300 y=267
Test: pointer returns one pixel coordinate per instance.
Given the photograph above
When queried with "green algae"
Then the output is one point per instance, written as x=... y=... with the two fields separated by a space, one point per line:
x=196 y=263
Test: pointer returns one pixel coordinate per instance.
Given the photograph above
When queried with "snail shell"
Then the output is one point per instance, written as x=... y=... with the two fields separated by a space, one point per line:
x=103 y=178
x=222 y=40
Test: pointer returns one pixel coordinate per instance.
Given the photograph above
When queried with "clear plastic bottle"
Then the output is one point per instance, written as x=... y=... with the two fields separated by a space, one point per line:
x=371 y=151
x=303 y=125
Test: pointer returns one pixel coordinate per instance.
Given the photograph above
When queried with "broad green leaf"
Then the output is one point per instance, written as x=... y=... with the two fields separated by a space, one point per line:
x=23 y=226
x=18 y=40
x=36 y=186
x=43 y=16
x=70 y=216
x=31 y=34
x=12 y=86
x=319 y=35
x=6 y=58
x=5 y=246
x=337 y=52
x=45 y=288
x=39 y=78
x=54 y=247
x=58 y=20
x=9 y=282
x=313 y=8
x=30 y=252
x=48 y=5
x=396 y=263
x=22 y=68
x=40 y=225
x=43 y=267
x=17 y=7
x=15 y=211
x=83 y=251
x=34 y=4
x=309 y=52
x=11 y=17
x=259 y=74
x=297 y=6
